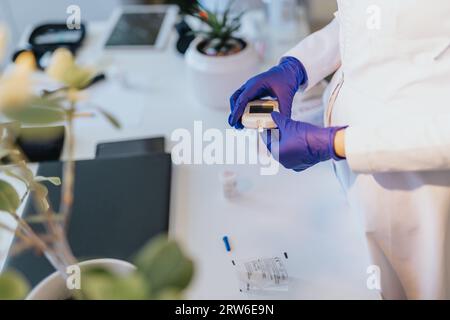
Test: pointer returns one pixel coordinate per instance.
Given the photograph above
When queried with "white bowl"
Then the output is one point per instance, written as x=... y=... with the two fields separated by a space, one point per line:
x=212 y=80
x=54 y=286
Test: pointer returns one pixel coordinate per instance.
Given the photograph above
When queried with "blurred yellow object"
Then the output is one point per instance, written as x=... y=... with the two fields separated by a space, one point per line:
x=26 y=60
x=64 y=69
x=15 y=84
x=15 y=88
x=3 y=40
x=61 y=61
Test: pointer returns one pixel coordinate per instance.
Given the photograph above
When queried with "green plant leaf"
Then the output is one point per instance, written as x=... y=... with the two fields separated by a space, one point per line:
x=227 y=12
x=56 y=181
x=9 y=199
x=164 y=265
x=13 y=286
x=42 y=134
x=78 y=77
x=113 y=120
x=170 y=294
x=101 y=284
x=38 y=111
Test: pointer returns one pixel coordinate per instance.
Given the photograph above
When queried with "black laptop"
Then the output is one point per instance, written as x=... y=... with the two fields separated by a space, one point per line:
x=120 y=204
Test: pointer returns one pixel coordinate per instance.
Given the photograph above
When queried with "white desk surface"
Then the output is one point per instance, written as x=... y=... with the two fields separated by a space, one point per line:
x=303 y=214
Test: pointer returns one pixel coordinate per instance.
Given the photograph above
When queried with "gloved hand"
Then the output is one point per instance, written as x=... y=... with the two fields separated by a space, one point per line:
x=281 y=82
x=301 y=145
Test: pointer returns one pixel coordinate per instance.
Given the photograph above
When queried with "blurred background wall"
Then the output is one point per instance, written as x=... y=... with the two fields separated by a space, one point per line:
x=321 y=12
x=20 y=14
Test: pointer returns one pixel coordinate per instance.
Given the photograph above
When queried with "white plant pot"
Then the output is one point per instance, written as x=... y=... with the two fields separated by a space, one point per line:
x=54 y=286
x=212 y=80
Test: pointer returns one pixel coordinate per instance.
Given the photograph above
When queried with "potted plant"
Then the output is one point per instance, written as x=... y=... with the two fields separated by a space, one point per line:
x=219 y=61
x=159 y=271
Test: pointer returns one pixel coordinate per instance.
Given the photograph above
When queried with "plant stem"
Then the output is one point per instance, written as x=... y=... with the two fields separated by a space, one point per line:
x=68 y=171
x=39 y=197
x=24 y=231
x=38 y=243
x=7 y=228
x=59 y=253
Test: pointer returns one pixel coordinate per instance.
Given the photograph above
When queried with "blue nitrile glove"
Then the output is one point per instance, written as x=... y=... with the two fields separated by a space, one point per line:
x=301 y=145
x=281 y=82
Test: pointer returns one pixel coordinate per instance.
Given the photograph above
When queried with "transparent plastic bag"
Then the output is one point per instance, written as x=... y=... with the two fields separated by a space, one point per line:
x=262 y=274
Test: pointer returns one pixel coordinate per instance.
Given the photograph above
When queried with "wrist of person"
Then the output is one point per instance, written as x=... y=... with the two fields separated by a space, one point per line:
x=337 y=143
x=298 y=68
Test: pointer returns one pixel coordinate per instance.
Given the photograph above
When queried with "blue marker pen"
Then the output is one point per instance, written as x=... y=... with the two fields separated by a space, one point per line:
x=227 y=243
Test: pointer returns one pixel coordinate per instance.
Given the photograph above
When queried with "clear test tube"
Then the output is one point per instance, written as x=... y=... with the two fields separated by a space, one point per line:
x=229 y=183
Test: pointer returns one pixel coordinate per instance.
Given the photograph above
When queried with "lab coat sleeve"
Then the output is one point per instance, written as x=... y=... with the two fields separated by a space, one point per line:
x=418 y=144
x=319 y=53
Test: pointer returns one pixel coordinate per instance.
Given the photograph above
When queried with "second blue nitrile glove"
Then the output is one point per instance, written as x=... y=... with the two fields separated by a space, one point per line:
x=301 y=145
x=281 y=82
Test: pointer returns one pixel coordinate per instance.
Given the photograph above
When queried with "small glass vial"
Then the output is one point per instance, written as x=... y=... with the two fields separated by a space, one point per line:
x=229 y=183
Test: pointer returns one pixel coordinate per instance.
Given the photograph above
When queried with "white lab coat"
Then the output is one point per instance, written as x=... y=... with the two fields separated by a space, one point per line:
x=392 y=88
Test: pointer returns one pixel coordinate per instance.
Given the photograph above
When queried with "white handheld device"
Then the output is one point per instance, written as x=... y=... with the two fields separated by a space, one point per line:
x=257 y=114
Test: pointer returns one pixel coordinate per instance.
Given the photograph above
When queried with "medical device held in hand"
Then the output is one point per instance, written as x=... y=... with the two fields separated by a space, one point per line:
x=257 y=114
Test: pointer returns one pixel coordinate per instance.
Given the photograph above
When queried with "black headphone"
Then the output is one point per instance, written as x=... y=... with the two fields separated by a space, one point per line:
x=40 y=49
